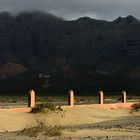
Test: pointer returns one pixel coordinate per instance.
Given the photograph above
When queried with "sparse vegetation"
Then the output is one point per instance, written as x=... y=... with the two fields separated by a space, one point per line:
x=41 y=128
x=135 y=108
x=42 y=108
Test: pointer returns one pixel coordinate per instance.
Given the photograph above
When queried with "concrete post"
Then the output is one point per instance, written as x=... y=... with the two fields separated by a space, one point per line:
x=31 y=102
x=123 y=97
x=101 y=97
x=71 y=98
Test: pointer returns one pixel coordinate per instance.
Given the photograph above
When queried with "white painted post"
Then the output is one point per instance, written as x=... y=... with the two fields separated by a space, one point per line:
x=123 y=96
x=31 y=102
x=71 y=98
x=101 y=97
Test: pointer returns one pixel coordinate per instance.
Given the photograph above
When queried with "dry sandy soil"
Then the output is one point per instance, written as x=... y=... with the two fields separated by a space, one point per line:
x=85 y=123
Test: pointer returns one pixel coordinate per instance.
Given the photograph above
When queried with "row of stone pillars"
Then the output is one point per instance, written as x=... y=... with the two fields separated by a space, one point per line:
x=100 y=99
x=31 y=102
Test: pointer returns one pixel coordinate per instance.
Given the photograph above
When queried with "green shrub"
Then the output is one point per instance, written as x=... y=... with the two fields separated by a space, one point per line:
x=41 y=108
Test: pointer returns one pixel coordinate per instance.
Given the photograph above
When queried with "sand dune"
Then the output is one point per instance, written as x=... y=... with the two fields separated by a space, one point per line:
x=11 y=121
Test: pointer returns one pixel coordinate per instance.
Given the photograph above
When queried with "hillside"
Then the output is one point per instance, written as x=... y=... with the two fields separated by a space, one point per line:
x=83 y=54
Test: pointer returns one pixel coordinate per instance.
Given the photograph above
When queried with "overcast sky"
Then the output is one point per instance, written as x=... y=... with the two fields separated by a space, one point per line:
x=72 y=9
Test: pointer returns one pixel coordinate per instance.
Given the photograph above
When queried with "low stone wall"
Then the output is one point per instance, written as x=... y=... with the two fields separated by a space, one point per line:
x=26 y=110
x=31 y=103
x=106 y=106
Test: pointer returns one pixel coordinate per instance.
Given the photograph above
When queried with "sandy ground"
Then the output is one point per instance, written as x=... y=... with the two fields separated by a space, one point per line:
x=86 y=123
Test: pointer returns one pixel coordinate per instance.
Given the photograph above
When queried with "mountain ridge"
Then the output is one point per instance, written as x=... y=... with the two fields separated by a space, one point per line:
x=102 y=53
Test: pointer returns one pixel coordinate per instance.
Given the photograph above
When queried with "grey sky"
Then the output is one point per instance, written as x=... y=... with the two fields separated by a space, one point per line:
x=72 y=9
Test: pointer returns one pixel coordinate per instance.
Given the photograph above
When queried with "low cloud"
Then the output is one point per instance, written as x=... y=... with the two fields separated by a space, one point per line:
x=72 y=9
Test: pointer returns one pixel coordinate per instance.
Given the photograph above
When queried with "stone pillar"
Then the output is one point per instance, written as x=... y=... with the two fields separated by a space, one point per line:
x=71 y=98
x=101 y=97
x=31 y=102
x=123 y=97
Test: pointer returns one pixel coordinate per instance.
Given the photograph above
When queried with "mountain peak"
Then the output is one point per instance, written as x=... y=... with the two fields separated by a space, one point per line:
x=126 y=20
x=84 y=18
x=91 y=21
x=130 y=18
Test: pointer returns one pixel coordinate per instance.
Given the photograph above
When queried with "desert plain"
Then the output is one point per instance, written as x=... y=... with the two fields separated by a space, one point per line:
x=78 y=122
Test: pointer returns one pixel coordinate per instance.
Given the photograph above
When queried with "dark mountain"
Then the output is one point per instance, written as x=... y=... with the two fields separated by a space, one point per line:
x=83 y=54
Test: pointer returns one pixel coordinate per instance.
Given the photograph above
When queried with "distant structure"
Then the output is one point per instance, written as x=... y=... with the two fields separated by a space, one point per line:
x=45 y=80
x=44 y=75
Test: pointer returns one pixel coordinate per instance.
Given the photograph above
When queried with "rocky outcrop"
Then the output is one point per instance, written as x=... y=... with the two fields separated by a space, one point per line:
x=11 y=69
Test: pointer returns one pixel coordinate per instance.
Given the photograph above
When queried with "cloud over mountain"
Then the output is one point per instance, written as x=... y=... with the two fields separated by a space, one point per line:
x=71 y=9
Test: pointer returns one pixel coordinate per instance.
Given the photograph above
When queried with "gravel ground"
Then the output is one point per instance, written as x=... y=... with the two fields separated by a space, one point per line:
x=130 y=123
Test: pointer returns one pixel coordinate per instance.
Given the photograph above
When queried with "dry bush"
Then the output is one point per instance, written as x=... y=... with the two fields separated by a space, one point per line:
x=41 y=128
x=135 y=107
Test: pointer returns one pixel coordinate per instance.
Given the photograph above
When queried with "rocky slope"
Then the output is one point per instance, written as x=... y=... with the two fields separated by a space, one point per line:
x=83 y=53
